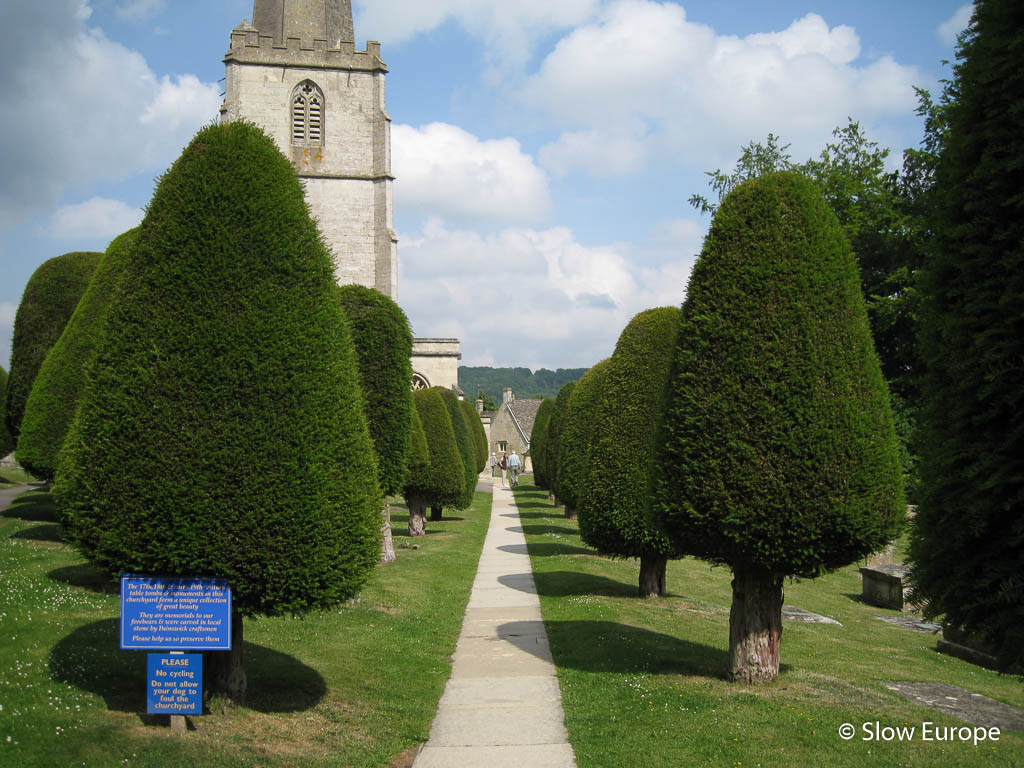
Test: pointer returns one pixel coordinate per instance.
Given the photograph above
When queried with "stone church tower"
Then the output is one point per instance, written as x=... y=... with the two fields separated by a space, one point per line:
x=295 y=72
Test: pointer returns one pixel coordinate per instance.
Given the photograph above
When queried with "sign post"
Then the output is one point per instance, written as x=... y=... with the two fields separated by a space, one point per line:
x=175 y=615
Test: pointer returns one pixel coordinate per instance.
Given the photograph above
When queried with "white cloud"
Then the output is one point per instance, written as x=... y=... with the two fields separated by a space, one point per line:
x=534 y=297
x=510 y=29
x=91 y=108
x=642 y=81
x=442 y=170
x=956 y=24
x=98 y=217
x=139 y=10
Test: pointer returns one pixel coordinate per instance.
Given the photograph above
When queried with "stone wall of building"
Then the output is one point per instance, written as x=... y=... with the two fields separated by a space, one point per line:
x=436 y=362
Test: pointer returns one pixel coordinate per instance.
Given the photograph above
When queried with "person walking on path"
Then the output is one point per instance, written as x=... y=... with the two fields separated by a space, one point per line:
x=503 y=465
x=494 y=465
x=514 y=465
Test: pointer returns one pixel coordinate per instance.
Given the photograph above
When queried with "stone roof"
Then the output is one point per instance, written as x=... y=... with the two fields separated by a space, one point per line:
x=525 y=413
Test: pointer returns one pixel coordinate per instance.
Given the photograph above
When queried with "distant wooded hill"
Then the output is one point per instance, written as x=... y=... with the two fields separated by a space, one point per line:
x=524 y=382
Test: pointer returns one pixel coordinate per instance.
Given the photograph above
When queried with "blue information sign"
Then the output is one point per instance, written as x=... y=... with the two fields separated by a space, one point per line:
x=175 y=614
x=175 y=684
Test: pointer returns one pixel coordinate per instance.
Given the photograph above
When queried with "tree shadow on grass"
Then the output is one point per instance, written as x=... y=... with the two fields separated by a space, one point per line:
x=608 y=647
x=540 y=530
x=90 y=659
x=543 y=549
x=87 y=576
x=574 y=583
x=47 y=532
x=34 y=508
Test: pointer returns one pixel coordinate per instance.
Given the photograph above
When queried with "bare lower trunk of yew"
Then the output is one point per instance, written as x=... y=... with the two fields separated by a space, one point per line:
x=224 y=671
x=755 y=625
x=652 y=575
x=435 y=513
x=570 y=511
x=387 y=544
x=417 y=517
x=558 y=501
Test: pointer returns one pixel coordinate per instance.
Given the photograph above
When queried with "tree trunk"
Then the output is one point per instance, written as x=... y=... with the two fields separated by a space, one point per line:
x=558 y=501
x=435 y=513
x=225 y=670
x=755 y=625
x=570 y=511
x=652 y=574
x=387 y=544
x=417 y=517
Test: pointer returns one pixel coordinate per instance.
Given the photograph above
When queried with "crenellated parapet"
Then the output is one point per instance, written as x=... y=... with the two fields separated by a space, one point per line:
x=250 y=46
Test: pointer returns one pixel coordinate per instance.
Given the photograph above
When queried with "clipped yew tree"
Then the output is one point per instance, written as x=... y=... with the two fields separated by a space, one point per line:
x=6 y=441
x=538 y=438
x=383 y=343
x=47 y=304
x=577 y=432
x=614 y=501
x=467 y=453
x=476 y=431
x=55 y=394
x=967 y=542
x=440 y=483
x=553 y=440
x=778 y=455
x=221 y=431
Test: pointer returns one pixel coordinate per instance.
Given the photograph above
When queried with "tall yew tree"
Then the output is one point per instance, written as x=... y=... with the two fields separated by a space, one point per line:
x=553 y=441
x=778 y=455
x=58 y=385
x=47 y=304
x=967 y=545
x=467 y=452
x=614 y=499
x=383 y=343
x=538 y=438
x=6 y=441
x=577 y=433
x=439 y=482
x=221 y=432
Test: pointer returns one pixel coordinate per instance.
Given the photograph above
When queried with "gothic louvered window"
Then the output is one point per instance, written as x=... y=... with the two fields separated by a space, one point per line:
x=307 y=115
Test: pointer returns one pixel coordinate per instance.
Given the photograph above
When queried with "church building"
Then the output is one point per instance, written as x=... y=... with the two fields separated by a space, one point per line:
x=295 y=72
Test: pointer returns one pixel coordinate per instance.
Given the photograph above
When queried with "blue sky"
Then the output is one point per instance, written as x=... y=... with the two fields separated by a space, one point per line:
x=544 y=151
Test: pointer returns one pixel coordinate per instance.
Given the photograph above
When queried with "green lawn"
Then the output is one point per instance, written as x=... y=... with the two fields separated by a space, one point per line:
x=643 y=681
x=11 y=477
x=357 y=686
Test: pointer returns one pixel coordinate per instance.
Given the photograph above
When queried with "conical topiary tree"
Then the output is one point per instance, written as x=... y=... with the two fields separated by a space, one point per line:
x=54 y=397
x=441 y=483
x=47 y=304
x=221 y=431
x=6 y=441
x=614 y=501
x=467 y=453
x=967 y=542
x=476 y=430
x=553 y=438
x=538 y=436
x=383 y=343
x=778 y=455
x=576 y=436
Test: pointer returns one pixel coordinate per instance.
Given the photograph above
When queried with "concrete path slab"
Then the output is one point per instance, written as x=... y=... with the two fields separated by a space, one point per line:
x=502 y=707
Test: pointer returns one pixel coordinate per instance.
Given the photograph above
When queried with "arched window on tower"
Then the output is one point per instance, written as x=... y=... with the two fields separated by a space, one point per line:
x=307 y=115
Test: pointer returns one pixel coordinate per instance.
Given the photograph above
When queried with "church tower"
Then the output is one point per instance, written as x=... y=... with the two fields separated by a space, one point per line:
x=295 y=72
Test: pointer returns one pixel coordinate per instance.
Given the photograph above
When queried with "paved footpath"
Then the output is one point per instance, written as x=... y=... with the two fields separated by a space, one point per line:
x=502 y=707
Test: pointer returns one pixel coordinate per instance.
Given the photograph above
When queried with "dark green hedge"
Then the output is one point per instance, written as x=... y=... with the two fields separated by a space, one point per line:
x=383 y=342
x=221 y=431
x=779 y=451
x=538 y=436
x=6 y=441
x=573 y=465
x=58 y=385
x=443 y=483
x=467 y=448
x=553 y=439
x=47 y=304
x=476 y=430
x=613 y=505
x=967 y=543
x=417 y=464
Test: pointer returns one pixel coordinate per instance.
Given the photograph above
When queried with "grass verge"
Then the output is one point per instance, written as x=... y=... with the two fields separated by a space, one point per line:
x=357 y=686
x=643 y=681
